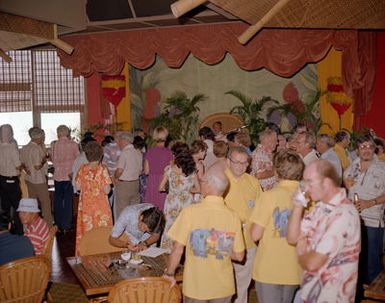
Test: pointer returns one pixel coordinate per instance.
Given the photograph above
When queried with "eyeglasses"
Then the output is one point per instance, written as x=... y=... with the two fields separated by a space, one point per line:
x=366 y=146
x=238 y=162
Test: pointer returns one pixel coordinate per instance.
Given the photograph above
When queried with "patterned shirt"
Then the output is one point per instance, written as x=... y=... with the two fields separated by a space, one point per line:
x=128 y=223
x=111 y=156
x=263 y=161
x=37 y=233
x=64 y=152
x=368 y=185
x=332 y=229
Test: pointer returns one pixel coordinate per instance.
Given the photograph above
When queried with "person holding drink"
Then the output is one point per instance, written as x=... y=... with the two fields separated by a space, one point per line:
x=365 y=179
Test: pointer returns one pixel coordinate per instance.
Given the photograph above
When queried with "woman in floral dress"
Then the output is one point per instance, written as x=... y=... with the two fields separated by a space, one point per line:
x=182 y=180
x=94 y=183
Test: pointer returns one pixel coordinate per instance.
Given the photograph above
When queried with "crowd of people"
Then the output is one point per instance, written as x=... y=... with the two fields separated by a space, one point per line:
x=301 y=215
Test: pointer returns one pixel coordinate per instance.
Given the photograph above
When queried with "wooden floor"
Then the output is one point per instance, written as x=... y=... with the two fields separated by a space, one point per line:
x=63 y=247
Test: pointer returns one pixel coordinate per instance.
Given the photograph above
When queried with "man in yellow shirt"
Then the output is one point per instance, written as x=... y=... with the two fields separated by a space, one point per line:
x=242 y=193
x=342 y=139
x=212 y=235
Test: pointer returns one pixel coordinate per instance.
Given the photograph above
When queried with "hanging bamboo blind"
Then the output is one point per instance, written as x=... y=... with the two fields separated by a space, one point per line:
x=36 y=81
x=16 y=83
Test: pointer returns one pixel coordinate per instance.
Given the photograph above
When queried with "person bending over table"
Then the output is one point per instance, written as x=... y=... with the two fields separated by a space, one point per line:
x=141 y=223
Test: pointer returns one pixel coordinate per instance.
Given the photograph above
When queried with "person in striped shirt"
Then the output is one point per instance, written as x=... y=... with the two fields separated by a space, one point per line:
x=35 y=228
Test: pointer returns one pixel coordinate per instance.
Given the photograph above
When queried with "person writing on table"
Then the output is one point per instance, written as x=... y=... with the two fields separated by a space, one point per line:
x=142 y=224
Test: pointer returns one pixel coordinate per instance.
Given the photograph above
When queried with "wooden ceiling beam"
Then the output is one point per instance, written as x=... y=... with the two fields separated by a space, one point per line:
x=252 y=30
x=181 y=7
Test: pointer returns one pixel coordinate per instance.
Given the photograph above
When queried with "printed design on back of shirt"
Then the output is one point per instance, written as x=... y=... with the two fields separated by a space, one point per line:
x=281 y=219
x=205 y=242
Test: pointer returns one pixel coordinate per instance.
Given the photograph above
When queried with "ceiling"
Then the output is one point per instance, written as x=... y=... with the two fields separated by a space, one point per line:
x=19 y=19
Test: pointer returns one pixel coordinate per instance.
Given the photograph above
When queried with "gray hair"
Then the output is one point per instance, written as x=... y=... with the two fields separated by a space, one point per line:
x=327 y=139
x=63 y=131
x=129 y=137
x=36 y=133
x=266 y=133
x=6 y=133
x=309 y=139
x=218 y=180
x=237 y=149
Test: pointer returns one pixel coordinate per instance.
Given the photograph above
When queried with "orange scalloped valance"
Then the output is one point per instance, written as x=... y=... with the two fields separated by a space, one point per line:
x=283 y=52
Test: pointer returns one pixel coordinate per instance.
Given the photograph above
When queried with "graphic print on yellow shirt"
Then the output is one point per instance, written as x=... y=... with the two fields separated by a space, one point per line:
x=205 y=242
x=281 y=219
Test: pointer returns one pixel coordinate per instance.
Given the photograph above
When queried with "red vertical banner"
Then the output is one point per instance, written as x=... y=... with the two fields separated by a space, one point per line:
x=375 y=117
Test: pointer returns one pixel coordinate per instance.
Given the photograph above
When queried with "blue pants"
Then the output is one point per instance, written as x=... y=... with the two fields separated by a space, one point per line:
x=63 y=204
x=371 y=252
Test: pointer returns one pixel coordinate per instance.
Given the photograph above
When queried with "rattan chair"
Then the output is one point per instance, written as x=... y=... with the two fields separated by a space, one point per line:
x=95 y=241
x=24 y=280
x=230 y=122
x=47 y=251
x=146 y=289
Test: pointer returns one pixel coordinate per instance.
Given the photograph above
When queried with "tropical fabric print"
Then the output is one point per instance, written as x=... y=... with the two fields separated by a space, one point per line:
x=94 y=209
x=205 y=242
x=178 y=197
x=332 y=229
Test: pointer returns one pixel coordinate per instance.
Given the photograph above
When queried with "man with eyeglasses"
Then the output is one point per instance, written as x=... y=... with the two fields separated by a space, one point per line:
x=365 y=179
x=241 y=195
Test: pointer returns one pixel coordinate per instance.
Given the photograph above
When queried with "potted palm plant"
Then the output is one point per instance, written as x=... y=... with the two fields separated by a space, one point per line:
x=180 y=116
x=252 y=112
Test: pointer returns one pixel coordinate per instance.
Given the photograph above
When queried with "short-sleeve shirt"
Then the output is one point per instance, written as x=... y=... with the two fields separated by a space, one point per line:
x=32 y=155
x=369 y=185
x=241 y=196
x=131 y=162
x=37 y=233
x=128 y=223
x=210 y=232
x=276 y=261
x=10 y=159
x=64 y=152
x=332 y=229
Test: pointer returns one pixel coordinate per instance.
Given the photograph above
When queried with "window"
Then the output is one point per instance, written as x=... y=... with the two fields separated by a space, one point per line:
x=36 y=90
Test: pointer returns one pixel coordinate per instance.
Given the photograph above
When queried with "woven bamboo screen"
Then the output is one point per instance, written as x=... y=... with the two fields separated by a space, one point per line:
x=363 y=14
x=55 y=89
x=16 y=83
x=35 y=81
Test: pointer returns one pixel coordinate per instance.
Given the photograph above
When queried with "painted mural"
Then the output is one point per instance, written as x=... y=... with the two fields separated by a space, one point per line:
x=149 y=88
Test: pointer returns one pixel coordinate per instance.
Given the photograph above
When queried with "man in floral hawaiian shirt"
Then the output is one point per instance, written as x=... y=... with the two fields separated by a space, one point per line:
x=327 y=238
x=262 y=159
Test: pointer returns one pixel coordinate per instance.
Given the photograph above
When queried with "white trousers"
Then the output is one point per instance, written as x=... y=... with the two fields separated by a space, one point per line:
x=243 y=273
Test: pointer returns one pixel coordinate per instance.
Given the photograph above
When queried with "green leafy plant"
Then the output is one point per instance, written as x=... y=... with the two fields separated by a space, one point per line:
x=180 y=116
x=309 y=113
x=252 y=112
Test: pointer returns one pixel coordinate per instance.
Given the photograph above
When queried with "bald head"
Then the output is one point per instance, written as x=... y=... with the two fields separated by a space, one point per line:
x=214 y=182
